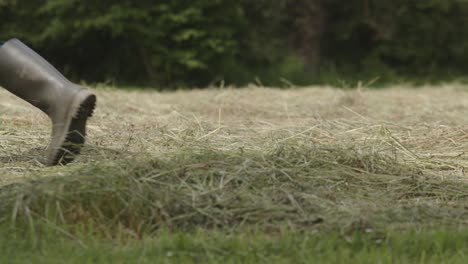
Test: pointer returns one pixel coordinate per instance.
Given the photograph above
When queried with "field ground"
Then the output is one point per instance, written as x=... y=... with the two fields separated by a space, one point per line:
x=243 y=175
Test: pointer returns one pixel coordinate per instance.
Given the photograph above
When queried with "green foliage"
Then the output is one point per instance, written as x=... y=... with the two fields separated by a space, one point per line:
x=397 y=38
x=165 y=42
x=201 y=42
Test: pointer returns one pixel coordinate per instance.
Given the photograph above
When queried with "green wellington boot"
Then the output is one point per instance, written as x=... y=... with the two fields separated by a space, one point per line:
x=27 y=75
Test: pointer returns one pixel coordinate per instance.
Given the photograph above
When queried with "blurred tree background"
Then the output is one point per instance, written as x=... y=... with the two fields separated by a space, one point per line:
x=181 y=43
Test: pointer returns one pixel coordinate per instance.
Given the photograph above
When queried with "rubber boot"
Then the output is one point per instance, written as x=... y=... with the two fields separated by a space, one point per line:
x=27 y=75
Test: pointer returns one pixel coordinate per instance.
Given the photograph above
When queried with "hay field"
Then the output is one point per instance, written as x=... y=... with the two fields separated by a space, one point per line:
x=312 y=159
x=425 y=127
x=244 y=117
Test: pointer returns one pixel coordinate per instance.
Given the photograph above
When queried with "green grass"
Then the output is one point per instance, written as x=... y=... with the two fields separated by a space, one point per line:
x=248 y=247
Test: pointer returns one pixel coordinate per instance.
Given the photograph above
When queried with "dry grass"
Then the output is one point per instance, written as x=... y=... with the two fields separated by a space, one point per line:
x=424 y=125
x=345 y=156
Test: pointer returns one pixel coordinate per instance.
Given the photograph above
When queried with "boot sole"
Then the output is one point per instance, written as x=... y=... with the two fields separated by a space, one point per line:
x=76 y=132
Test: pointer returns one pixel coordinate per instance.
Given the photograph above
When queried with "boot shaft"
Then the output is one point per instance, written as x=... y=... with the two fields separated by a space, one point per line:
x=27 y=75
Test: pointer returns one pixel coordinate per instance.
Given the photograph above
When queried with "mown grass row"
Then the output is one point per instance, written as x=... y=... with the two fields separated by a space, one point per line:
x=292 y=203
x=301 y=187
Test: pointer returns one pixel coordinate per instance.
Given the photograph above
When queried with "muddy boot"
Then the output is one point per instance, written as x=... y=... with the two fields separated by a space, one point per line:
x=27 y=75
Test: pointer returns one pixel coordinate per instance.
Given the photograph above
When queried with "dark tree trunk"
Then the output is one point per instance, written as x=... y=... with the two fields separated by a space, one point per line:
x=308 y=19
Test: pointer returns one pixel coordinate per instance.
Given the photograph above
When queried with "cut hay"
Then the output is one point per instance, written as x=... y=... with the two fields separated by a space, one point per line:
x=311 y=158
